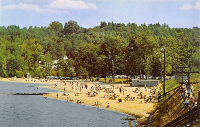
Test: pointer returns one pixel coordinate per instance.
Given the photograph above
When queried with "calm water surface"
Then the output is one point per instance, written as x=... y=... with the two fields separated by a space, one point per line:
x=36 y=111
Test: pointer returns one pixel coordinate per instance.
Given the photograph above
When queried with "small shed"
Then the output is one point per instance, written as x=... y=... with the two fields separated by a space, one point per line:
x=149 y=83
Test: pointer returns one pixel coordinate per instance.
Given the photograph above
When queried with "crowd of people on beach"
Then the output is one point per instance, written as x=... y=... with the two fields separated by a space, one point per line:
x=147 y=96
x=111 y=93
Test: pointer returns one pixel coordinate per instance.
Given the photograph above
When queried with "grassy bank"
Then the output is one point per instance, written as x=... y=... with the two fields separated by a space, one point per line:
x=172 y=105
x=170 y=108
x=196 y=87
x=170 y=84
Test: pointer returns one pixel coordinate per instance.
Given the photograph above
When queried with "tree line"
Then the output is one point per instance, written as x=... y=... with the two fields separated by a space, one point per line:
x=107 y=49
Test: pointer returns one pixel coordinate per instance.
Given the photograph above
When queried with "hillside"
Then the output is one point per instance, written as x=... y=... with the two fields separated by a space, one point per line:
x=105 y=50
x=172 y=106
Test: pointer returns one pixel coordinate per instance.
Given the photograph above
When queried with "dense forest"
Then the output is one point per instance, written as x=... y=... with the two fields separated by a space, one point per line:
x=107 y=49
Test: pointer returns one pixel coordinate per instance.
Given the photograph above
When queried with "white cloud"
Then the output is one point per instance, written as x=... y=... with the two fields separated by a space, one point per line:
x=188 y=7
x=30 y=7
x=197 y=5
x=57 y=6
x=71 y=4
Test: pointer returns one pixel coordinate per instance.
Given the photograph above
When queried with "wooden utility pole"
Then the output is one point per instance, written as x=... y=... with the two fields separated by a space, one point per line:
x=164 y=74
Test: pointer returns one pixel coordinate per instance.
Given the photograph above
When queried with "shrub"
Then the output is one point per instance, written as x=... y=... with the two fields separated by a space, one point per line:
x=19 y=74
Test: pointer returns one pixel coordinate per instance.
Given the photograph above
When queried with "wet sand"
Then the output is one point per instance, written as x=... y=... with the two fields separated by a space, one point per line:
x=136 y=108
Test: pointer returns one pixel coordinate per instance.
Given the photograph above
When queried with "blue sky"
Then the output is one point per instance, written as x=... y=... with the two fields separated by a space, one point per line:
x=89 y=13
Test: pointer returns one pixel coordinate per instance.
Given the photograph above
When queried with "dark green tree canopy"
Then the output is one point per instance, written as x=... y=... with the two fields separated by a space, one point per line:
x=130 y=49
x=71 y=27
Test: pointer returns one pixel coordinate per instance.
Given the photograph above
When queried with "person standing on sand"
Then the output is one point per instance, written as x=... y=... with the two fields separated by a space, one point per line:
x=108 y=105
x=120 y=90
x=97 y=103
x=85 y=86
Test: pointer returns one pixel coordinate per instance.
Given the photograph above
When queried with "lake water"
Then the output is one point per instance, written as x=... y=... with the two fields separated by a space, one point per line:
x=36 y=111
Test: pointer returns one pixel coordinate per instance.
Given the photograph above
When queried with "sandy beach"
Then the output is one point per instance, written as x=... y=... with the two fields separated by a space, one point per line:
x=98 y=94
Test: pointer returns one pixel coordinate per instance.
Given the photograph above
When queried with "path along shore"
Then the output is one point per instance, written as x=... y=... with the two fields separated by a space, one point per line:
x=130 y=101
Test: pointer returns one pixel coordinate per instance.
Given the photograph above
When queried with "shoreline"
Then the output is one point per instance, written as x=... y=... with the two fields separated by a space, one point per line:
x=136 y=108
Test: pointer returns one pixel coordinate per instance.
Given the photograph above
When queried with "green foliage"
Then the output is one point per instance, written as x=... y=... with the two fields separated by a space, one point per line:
x=71 y=27
x=111 y=55
x=195 y=75
x=47 y=63
x=19 y=74
x=38 y=73
x=56 y=27
x=86 y=57
x=107 y=49
x=65 y=68
x=81 y=72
